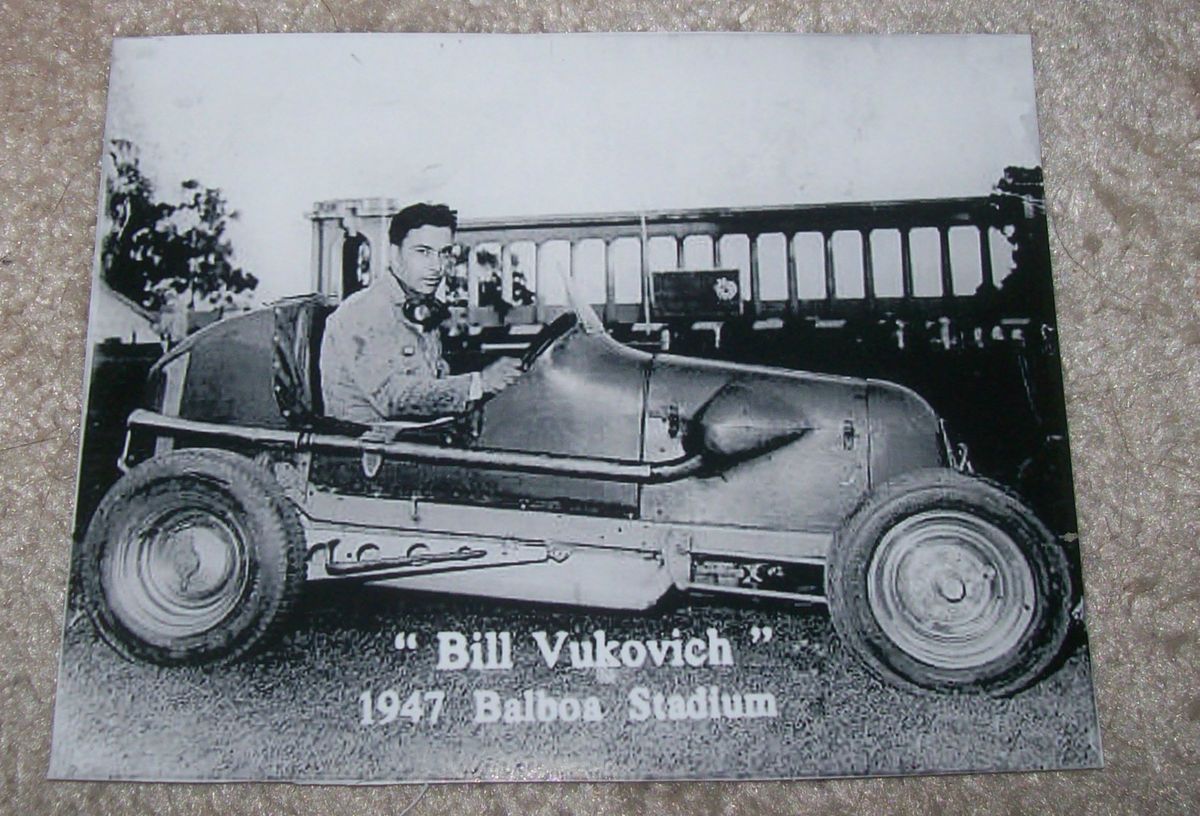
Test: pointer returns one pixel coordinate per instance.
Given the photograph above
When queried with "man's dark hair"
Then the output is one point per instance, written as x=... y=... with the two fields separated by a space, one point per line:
x=420 y=215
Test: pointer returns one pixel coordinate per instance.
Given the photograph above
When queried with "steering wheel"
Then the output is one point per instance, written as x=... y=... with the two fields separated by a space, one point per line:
x=550 y=333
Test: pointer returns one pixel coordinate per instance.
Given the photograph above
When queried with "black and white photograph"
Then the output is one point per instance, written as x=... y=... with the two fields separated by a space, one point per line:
x=572 y=407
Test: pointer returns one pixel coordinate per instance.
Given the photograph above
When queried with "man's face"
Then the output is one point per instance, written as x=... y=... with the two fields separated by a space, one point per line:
x=423 y=257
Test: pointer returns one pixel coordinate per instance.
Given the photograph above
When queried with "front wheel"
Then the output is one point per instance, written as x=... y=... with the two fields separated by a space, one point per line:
x=945 y=582
x=192 y=557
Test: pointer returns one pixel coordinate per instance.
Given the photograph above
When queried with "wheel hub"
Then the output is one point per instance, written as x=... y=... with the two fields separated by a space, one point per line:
x=951 y=589
x=180 y=575
x=193 y=563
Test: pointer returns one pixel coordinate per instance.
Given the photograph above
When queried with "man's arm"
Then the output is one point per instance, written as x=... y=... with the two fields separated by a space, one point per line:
x=403 y=394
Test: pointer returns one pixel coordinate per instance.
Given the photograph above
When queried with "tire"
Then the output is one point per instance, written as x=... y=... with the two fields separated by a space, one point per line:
x=193 y=557
x=948 y=583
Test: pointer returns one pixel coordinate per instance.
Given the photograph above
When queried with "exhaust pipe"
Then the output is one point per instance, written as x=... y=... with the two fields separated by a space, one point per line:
x=553 y=464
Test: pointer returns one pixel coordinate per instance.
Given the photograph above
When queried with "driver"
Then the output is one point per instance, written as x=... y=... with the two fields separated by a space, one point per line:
x=381 y=357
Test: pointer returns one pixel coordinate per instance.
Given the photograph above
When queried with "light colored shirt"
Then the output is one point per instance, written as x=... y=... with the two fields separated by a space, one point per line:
x=376 y=365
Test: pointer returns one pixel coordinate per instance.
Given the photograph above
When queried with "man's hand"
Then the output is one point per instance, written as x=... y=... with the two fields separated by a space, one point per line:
x=499 y=375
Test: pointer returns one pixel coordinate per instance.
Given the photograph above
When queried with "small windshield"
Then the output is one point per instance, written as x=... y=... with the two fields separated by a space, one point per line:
x=589 y=321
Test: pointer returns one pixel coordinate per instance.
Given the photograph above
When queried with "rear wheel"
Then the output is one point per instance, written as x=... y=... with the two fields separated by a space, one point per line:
x=192 y=557
x=945 y=582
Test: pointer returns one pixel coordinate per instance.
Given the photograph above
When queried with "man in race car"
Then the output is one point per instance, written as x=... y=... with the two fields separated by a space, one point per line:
x=381 y=356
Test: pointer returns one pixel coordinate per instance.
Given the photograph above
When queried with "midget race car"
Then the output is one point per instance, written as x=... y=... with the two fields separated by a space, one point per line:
x=605 y=476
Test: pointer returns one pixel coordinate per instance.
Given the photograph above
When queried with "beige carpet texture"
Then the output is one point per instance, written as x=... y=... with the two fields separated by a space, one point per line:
x=1118 y=95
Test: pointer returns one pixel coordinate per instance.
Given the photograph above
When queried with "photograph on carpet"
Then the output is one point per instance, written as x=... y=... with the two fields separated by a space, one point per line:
x=572 y=407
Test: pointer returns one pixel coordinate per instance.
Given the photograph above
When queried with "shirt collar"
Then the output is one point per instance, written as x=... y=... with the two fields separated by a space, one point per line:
x=389 y=288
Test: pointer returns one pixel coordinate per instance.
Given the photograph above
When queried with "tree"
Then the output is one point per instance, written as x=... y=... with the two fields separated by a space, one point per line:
x=1018 y=203
x=168 y=255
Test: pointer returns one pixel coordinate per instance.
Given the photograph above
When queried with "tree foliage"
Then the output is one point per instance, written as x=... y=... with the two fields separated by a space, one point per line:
x=162 y=254
x=1018 y=201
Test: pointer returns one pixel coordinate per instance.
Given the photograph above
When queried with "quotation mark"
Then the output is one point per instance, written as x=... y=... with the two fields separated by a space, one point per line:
x=761 y=634
x=406 y=641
